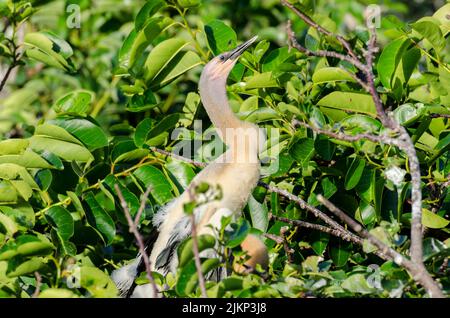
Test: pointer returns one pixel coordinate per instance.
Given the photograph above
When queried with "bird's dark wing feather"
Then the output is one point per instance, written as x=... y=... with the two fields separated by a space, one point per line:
x=141 y=267
x=180 y=232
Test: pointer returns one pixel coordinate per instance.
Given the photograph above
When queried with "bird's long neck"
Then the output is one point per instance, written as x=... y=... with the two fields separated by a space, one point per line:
x=241 y=137
x=214 y=98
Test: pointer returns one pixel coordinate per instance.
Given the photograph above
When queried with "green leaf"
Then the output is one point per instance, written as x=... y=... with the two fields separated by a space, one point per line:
x=357 y=283
x=91 y=135
x=136 y=43
x=303 y=150
x=29 y=245
x=180 y=64
x=142 y=102
x=340 y=252
x=337 y=104
x=61 y=220
x=165 y=125
x=189 y=109
x=432 y=220
x=276 y=58
x=99 y=218
x=142 y=130
x=331 y=74
x=186 y=252
x=13 y=146
x=390 y=58
x=154 y=178
x=146 y=12
x=428 y=27
x=324 y=147
x=259 y=214
x=261 y=80
x=18 y=268
x=188 y=278
x=97 y=283
x=381 y=234
x=238 y=234
x=76 y=103
x=66 y=150
x=182 y=171
x=55 y=132
x=189 y=3
x=160 y=57
x=221 y=37
x=8 y=193
x=354 y=173
x=9 y=225
x=319 y=241
x=48 y=48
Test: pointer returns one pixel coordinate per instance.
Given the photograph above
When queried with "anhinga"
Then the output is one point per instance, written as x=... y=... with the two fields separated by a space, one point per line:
x=236 y=172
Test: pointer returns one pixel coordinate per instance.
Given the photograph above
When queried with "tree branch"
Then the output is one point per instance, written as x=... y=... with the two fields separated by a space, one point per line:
x=132 y=225
x=320 y=53
x=319 y=28
x=403 y=140
x=356 y=240
x=419 y=273
x=198 y=264
x=37 y=289
x=289 y=251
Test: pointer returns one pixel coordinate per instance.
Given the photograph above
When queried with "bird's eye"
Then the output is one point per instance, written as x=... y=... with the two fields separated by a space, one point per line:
x=222 y=58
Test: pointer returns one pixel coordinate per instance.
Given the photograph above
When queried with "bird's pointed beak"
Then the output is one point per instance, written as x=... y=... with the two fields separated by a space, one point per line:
x=241 y=48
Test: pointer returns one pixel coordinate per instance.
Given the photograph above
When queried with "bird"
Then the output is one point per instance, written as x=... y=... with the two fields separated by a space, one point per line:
x=236 y=173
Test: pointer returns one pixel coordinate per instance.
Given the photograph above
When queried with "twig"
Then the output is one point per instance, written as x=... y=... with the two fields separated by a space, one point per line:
x=420 y=275
x=37 y=289
x=350 y=138
x=319 y=28
x=140 y=242
x=181 y=158
x=321 y=53
x=273 y=237
x=326 y=229
x=198 y=264
x=142 y=206
x=439 y=115
x=289 y=251
x=9 y=70
x=347 y=235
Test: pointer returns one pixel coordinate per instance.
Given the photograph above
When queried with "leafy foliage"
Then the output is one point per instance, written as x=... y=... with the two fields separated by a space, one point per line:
x=84 y=107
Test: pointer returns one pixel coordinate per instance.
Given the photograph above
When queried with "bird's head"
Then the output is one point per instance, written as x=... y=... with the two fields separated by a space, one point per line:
x=221 y=65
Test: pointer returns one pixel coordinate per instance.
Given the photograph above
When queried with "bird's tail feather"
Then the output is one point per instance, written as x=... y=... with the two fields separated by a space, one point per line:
x=124 y=277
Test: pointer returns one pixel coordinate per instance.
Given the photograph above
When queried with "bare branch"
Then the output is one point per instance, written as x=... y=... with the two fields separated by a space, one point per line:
x=418 y=272
x=37 y=289
x=198 y=264
x=319 y=28
x=439 y=115
x=140 y=242
x=289 y=251
x=181 y=158
x=344 y=232
x=142 y=206
x=350 y=138
x=325 y=229
x=11 y=66
x=321 y=53
x=273 y=237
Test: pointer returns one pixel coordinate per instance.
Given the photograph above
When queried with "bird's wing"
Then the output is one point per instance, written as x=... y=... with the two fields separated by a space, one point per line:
x=141 y=266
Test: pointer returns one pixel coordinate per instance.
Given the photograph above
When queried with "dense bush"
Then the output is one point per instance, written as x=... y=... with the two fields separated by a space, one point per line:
x=95 y=86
